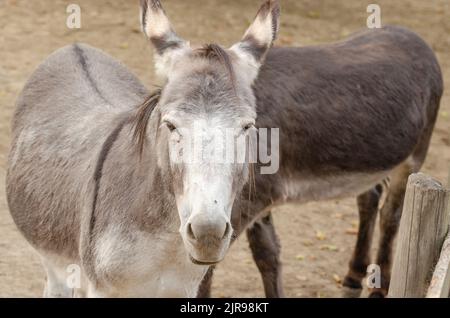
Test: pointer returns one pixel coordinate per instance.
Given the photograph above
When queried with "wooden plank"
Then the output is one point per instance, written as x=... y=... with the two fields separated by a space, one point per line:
x=440 y=282
x=423 y=229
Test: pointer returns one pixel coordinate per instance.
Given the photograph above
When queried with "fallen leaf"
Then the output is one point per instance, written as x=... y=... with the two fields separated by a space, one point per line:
x=320 y=236
x=351 y=231
x=444 y=114
x=338 y=215
x=300 y=257
x=332 y=248
x=124 y=45
x=313 y=14
x=308 y=243
x=337 y=279
x=301 y=278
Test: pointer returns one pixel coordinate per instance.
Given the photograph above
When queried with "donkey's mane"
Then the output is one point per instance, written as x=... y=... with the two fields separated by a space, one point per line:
x=212 y=52
x=144 y=111
x=216 y=52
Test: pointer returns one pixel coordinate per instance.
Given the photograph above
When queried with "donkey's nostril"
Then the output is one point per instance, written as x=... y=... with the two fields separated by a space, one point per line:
x=190 y=233
x=227 y=230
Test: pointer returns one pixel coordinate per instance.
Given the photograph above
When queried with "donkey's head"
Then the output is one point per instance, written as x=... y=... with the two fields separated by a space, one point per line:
x=207 y=99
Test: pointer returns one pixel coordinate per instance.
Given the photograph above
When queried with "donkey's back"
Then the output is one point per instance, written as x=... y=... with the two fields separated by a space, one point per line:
x=359 y=105
x=76 y=82
x=64 y=114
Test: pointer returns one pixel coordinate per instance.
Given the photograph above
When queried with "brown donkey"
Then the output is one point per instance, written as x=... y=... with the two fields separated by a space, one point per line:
x=352 y=115
x=92 y=179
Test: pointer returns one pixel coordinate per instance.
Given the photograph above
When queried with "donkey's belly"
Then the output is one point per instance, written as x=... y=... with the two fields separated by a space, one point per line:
x=302 y=189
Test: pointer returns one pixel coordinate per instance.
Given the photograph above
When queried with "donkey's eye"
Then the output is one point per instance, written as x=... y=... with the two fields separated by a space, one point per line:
x=248 y=126
x=171 y=126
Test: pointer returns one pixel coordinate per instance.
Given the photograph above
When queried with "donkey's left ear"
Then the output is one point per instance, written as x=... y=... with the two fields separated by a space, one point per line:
x=261 y=34
x=157 y=28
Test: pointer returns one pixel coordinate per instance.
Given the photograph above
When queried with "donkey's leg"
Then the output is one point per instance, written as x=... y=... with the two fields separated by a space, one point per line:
x=265 y=248
x=390 y=215
x=56 y=285
x=368 y=208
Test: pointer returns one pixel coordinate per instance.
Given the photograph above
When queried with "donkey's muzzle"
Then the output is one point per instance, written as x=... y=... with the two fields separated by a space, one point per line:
x=207 y=239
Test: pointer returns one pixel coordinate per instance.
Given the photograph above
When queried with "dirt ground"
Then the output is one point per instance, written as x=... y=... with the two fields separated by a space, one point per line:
x=317 y=238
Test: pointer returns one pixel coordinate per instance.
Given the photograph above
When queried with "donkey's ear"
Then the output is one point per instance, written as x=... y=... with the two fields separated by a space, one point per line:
x=262 y=33
x=157 y=28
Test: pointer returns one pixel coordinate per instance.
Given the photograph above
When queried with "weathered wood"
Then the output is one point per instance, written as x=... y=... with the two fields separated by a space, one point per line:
x=448 y=179
x=423 y=229
x=440 y=282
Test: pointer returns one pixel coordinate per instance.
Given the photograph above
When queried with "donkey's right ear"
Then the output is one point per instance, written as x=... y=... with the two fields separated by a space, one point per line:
x=157 y=28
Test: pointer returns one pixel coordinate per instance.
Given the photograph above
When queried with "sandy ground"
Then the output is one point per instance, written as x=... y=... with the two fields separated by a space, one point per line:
x=317 y=238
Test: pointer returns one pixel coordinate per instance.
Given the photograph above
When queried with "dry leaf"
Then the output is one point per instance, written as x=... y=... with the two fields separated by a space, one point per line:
x=300 y=257
x=308 y=243
x=313 y=14
x=332 y=248
x=337 y=279
x=320 y=236
x=301 y=278
x=351 y=231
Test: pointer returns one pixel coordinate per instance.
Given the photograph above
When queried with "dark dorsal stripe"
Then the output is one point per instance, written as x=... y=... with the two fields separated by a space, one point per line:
x=98 y=173
x=82 y=59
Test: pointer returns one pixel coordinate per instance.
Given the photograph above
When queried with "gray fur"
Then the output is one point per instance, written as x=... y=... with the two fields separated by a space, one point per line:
x=354 y=110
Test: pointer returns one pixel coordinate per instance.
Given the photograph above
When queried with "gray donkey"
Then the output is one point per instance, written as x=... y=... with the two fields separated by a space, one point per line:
x=91 y=179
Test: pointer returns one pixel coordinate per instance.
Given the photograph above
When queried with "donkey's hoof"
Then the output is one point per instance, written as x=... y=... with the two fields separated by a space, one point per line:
x=348 y=292
x=377 y=294
x=352 y=283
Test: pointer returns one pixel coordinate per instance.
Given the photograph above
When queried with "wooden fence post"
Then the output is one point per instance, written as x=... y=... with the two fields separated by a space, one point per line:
x=440 y=282
x=423 y=228
x=448 y=179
